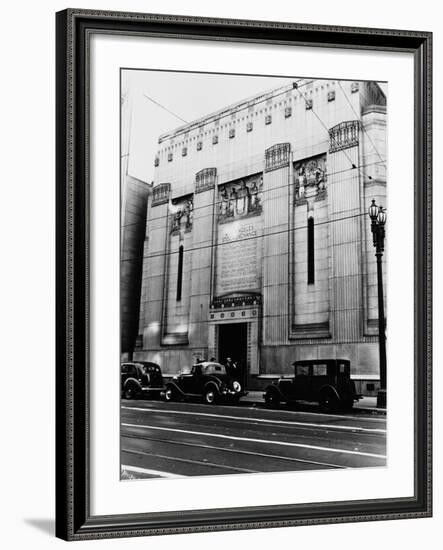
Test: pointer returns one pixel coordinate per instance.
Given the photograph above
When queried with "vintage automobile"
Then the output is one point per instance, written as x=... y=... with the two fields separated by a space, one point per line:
x=326 y=381
x=141 y=378
x=207 y=380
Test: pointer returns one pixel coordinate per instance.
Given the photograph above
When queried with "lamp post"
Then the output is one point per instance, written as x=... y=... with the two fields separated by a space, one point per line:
x=378 y=221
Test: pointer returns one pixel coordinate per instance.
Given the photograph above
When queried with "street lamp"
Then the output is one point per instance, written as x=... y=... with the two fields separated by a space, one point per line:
x=378 y=221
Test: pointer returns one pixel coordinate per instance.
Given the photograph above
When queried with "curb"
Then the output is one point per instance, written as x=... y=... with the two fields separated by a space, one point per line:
x=370 y=410
x=366 y=410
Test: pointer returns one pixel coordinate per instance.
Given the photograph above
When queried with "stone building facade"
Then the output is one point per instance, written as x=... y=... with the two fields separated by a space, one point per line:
x=258 y=243
x=134 y=200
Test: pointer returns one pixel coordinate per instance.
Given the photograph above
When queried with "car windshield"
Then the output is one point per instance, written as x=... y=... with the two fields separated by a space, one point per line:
x=302 y=370
x=186 y=370
x=215 y=368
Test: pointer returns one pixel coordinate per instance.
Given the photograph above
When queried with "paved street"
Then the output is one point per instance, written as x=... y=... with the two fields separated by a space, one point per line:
x=162 y=439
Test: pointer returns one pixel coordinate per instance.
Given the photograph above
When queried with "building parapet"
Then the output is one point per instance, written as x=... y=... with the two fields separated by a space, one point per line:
x=232 y=110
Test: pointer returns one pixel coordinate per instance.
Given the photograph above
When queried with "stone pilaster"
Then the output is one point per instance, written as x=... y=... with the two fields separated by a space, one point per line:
x=155 y=254
x=276 y=183
x=204 y=199
x=344 y=198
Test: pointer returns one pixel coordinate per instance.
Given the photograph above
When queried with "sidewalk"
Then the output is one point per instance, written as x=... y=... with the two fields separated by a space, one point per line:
x=366 y=404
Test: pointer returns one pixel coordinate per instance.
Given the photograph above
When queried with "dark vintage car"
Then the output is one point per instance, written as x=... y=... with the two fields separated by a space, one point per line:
x=207 y=380
x=141 y=378
x=326 y=381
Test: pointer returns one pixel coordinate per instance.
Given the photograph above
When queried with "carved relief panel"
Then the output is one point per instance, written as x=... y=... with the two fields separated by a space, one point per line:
x=182 y=211
x=240 y=198
x=310 y=177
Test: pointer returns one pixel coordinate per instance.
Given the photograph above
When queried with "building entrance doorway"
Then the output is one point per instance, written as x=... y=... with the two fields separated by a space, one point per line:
x=232 y=342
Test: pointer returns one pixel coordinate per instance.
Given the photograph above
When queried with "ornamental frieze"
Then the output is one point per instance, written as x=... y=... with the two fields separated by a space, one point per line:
x=236 y=301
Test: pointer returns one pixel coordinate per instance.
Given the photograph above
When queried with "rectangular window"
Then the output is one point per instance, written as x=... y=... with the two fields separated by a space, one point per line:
x=302 y=370
x=180 y=273
x=320 y=370
x=311 y=257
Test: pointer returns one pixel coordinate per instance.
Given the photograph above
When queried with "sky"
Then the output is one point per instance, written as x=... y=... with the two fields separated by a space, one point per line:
x=189 y=96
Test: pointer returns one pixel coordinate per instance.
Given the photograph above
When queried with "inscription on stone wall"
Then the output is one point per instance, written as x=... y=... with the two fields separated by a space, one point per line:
x=238 y=256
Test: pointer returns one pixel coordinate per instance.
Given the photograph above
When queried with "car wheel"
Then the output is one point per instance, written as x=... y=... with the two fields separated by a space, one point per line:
x=328 y=402
x=129 y=392
x=210 y=396
x=272 y=400
x=170 y=394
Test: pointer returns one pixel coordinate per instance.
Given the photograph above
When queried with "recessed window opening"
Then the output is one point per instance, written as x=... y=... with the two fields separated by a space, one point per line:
x=311 y=252
x=180 y=273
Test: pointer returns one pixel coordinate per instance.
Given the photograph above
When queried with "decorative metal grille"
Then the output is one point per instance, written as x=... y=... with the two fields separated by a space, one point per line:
x=277 y=156
x=160 y=193
x=344 y=135
x=205 y=179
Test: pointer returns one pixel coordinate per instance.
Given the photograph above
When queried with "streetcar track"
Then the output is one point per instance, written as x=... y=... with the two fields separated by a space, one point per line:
x=289 y=431
x=361 y=417
x=255 y=440
x=190 y=461
x=237 y=451
x=301 y=425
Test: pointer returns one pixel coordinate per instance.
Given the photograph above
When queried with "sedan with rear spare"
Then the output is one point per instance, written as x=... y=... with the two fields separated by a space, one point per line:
x=141 y=378
x=209 y=381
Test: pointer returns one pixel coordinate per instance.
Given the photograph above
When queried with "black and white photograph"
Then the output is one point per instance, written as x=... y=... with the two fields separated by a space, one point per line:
x=254 y=231
x=220 y=232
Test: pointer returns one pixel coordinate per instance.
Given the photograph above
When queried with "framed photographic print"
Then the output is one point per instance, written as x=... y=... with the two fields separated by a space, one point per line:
x=243 y=274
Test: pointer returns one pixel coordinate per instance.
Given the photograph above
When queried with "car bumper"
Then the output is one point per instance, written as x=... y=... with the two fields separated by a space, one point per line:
x=233 y=394
x=150 y=389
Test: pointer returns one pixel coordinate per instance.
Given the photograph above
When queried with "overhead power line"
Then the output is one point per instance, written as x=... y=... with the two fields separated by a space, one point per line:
x=165 y=108
x=264 y=235
x=210 y=205
x=364 y=129
x=327 y=130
